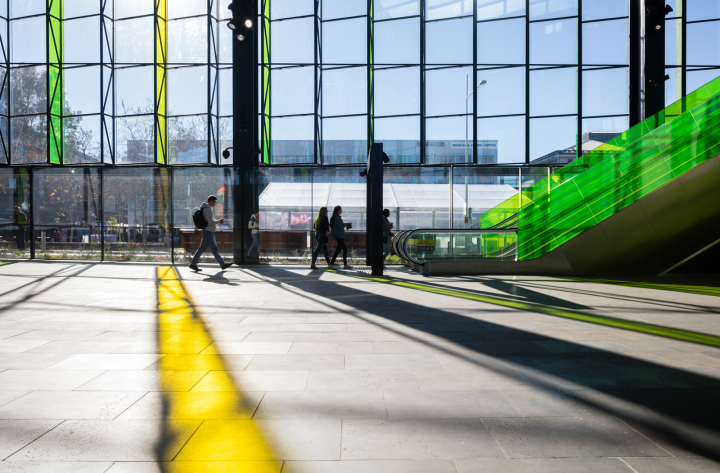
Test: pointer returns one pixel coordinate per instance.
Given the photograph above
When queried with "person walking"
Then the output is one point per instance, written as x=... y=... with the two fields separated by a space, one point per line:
x=208 y=235
x=254 y=226
x=20 y=220
x=337 y=231
x=322 y=226
x=386 y=227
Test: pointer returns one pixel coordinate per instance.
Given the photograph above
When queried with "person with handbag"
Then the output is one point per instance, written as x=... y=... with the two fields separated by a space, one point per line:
x=322 y=226
x=254 y=227
x=386 y=227
x=337 y=231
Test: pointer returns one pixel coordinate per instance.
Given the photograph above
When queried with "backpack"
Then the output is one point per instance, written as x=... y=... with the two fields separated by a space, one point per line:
x=199 y=219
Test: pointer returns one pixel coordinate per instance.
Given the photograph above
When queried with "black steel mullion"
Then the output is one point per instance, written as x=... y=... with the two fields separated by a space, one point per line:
x=103 y=104
x=527 y=84
x=578 y=149
x=475 y=91
x=317 y=156
x=683 y=70
x=423 y=133
x=209 y=91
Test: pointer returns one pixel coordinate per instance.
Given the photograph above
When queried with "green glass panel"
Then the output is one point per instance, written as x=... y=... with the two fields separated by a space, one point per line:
x=56 y=95
x=266 y=104
x=161 y=82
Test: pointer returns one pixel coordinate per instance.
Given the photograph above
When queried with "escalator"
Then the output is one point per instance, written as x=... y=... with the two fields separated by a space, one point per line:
x=641 y=204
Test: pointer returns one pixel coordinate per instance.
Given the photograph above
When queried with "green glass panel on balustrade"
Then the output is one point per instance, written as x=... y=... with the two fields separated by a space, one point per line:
x=616 y=174
x=500 y=213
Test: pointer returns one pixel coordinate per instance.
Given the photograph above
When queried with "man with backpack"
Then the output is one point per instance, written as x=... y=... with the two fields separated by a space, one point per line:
x=204 y=219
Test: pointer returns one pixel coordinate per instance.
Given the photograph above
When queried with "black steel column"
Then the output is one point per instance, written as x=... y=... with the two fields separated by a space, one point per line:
x=30 y=223
x=245 y=114
x=373 y=235
x=654 y=56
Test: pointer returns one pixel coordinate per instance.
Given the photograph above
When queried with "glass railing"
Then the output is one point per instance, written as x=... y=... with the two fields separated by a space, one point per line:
x=419 y=246
x=616 y=174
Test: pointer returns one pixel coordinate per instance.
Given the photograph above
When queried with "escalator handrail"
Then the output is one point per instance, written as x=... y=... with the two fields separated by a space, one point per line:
x=409 y=233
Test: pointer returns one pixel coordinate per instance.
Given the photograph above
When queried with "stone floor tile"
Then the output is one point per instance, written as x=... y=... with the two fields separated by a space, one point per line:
x=346 y=347
x=57 y=335
x=82 y=347
x=307 y=439
x=107 y=362
x=16 y=434
x=464 y=380
x=198 y=362
x=673 y=465
x=689 y=436
x=447 y=404
x=195 y=405
x=31 y=361
x=359 y=337
x=323 y=361
x=543 y=465
x=69 y=405
x=322 y=405
x=361 y=380
x=255 y=381
x=230 y=335
x=391 y=361
x=9 y=396
x=46 y=380
x=570 y=437
x=14 y=345
x=5 y=333
x=371 y=466
x=305 y=337
x=54 y=467
x=136 y=467
x=248 y=348
x=140 y=380
x=366 y=439
x=132 y=336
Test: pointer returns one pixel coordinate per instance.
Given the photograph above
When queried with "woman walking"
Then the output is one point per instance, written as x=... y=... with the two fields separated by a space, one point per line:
x=322 y=226
x=337 y=231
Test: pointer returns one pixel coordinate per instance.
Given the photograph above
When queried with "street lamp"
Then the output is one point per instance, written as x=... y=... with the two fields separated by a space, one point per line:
x=467 y=82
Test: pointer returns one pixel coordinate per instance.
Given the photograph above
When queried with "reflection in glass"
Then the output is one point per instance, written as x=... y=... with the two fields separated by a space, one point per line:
x=80 y=40
x=129 y=8
x=606 y=42
x=28 y=41
x=503 y=93
x=29 y=139
x=400 y=137
x=449 y=140
x=493 y=9
x=225 y=99
x=28 y=87
x=75 y=8
x=506 y=135
x=344 y=140
x=82 y=140
x=187 y=90
x=385 y=9
x=291 y=42
x=437 y=9
x=553 y=42
x=449 y=42
x=292 y=140
x=545 y=9
x=553 y=91
x=344 y=91
x=703 y=44
x=291 y=91
x=135 y=140
x=397 y=91
x=501 y=42
x=290 y=8
x=135 y=41
x=343 y=8
x=703 y=10
x=345 y=42
x=20 y=8
x=188 y=40
x=225 y=136
x=604 y=9
x=673 y=42
x=224 y=39
x=605 y=92
x=183 y=8
x=135 y=89
x=188 y=140
x=696 y=79
x=550 y=135
x=595 y=128
x=447 y=91
x=82 y=90
x=397 y=42
x=14 y=192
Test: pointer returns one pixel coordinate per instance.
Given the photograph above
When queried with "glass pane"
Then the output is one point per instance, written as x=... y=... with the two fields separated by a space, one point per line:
x=551 y=136
x=292 y=91
x=343 y=8
x=437 y=9
x=4 y=9
x=397 y=91
x=82 y=140
x=553 y=91
x=292 y=140
x=129 y=8
x=673 y=42
x=449 y=140
x=397 y=42
x=696 y=79
x=400 y=137
x=75 y=8
x=702 y=10
x=81 y=40
x=135 y=41
x=187 y=90
x=501 y=42
x=601 y=130
x=492 y=9
x=225 y=98
x=344 y=140
x=344 y=91
x=545 y=9
x=605 y=92
x=384 y=9
x=503 y=93
x=225 y=135
x=703 y=47
x=292 y=42
x=447 y=91
x=135 y=90
x=5 y=140
x=606 y=42
x=291 y=8
x=605 y=9
x=28 y=86
x=4 y=109
x=449 y=42
x=188 y=41
x=188 y=140
x=29 y=140
x=553 y=42
x=28 y=41
x=135 y=140
x=225 y=40
x=20 y=8
x=673 y=89
x=183 y=8
x=345 y=42
x=507 y=134
x=15 y=199
x=82 y=90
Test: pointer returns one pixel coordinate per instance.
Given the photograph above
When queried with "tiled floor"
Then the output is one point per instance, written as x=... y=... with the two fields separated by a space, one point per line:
x=136 y=368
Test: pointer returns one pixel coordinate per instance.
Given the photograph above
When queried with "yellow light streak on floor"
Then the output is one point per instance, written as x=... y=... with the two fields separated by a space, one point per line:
x=211 y=431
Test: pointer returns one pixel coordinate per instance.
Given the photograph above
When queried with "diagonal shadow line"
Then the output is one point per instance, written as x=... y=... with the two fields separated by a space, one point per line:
x=709 y=290
x=695 y=407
